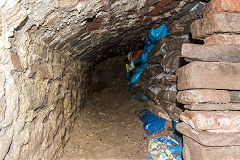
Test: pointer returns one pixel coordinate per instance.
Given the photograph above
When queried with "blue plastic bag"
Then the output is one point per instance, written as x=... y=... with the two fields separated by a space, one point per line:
x=141 y=62
x=151 y=122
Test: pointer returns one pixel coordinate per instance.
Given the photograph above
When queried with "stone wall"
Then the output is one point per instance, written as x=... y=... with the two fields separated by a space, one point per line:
x=209 y=85
x=46 y=54
x=39 y=101
x=41 y=91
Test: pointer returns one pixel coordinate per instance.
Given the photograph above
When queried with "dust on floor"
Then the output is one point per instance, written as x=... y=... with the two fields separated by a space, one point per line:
x=108 y=128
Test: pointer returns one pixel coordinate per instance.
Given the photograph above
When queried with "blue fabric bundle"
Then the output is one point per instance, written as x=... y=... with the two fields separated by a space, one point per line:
x=141 y=62
x=151 y=122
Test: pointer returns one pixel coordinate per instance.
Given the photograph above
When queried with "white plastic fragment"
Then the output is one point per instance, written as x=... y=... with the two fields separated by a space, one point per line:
x=171 y=88
x=155 y=89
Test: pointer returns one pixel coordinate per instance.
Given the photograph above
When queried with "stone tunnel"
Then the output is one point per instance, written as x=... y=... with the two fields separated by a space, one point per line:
x=63 y=60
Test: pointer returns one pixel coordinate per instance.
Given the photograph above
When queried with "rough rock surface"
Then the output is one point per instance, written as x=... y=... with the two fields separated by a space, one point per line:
x=217 y=121
x=40 y=104
x=213 y=107
x=209 y=138
x=203 y=96
x=216 y=23
x=235 y=96
x=207 y=153
x=213 y=53
x=217 y=6
x=222 y=39
x=212 y=75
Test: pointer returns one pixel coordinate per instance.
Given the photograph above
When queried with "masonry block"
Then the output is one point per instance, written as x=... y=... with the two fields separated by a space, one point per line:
x=222 y=39
x=214 y=53
x=212 y=75
x=215 y=24
x=210 y=138
x=217 y=6
x=235 y=96
x=203 y=96
x=213 y=107
x=214 y=121
x=195 y=151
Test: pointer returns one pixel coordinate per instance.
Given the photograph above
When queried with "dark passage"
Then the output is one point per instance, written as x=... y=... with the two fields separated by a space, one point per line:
x=107 y=127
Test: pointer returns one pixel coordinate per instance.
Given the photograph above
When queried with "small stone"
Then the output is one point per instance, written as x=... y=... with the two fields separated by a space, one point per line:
x=167 y=95
x=57 y=71
x=203 y=96
x=172 y=109
x=0 y=27
x=216 y=23
x=209 y=138
x=16 y=61
x=152 y=92
x=212 y=75
x=215 y=121
x=95 y=23
x=46 y=71
x=213 y=107
x=42 y=71
x=217 y=6
x=214 y=53
x=235 y=96
x=36 y=95
x=222 y=39
x=166 y=80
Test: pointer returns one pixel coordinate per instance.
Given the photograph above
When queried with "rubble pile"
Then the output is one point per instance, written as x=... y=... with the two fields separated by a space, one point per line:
x=158 y=80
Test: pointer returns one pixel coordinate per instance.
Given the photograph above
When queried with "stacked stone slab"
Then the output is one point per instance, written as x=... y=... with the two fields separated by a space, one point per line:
x=158 y=80
x=209 y=85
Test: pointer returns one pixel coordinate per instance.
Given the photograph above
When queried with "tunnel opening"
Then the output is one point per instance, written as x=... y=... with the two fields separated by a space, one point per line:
x=108 y=126
x=63 y=86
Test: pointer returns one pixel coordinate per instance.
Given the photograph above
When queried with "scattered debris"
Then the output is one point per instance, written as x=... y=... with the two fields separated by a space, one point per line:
x=136 y=67
x=164 y=148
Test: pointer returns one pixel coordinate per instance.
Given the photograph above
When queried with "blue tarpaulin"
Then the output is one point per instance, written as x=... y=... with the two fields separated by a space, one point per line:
x=161 y=148
x=141 y=62
x=151 y=122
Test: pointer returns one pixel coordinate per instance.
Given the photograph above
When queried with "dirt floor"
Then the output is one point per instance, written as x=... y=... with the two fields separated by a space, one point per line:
x=108 y=126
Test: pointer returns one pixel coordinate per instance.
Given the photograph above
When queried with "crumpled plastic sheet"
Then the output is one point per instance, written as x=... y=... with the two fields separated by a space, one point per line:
x=141 y=62
x=151 y=122
x=171 y=88
x=164 y=148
